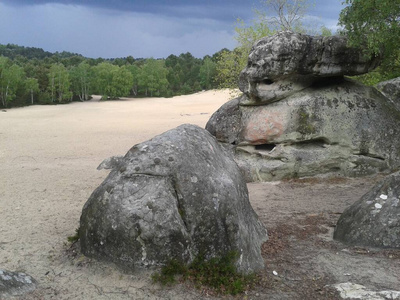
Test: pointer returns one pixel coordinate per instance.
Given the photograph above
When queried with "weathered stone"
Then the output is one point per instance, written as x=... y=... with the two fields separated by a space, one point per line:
x=261 y=93
x=15 y=283
x=225 y=124
x=391 y=89
x=288 y=54
x=350 y=290
x=173 y=197
x=344 y=128
x=111 y=163
x=374 y=220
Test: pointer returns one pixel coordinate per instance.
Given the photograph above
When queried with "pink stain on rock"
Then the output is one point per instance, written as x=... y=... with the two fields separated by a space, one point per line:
x=263 y=127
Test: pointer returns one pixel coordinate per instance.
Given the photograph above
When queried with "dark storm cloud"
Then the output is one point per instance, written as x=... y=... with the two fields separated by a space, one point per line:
x=222 y=9
x=141 y=28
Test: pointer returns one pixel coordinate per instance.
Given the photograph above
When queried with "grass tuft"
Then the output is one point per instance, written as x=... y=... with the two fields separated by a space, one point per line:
x=218 y=273
x=74 y=238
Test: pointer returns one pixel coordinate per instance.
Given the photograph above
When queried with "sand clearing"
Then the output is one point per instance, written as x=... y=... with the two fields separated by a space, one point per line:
x=48 y=158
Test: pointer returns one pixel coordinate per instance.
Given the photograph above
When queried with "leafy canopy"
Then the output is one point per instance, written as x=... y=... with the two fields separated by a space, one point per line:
x=374 y=26
x=372 y=23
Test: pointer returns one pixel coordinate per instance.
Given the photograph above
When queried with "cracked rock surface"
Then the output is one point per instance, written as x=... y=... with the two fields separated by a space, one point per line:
x=175 y=196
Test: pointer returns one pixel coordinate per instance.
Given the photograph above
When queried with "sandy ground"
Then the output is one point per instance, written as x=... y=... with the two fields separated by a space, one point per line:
x=49 y=156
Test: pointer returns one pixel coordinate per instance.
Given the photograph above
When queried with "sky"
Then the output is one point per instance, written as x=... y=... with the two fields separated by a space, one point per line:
x=139 y=28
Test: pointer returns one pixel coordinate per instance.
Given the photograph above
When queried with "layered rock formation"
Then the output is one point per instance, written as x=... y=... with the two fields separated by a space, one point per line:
x=298 y=116
x=374 y=220
x=176 y=196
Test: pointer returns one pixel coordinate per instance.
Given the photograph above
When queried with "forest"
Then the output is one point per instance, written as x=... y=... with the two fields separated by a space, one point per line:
x=33 y=76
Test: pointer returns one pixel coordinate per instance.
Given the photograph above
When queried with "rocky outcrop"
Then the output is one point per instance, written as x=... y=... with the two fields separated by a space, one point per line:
x=288 y=62
x=15 y=284
x=391 y=89
x=299 y=116
x=346 y=129
x=374 y=220
x=176 y=196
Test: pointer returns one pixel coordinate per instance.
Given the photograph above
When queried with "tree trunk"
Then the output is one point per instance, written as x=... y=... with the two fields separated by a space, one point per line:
x=6 y=95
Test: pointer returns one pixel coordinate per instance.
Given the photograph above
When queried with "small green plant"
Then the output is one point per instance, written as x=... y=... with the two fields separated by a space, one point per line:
x=218 y=273
x=169 y=271
x=74 y=238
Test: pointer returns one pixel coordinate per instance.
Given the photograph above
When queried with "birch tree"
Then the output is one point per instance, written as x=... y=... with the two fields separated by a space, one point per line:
x=32 y=86
x=81 y=80
x=59 y=83
x=11 y=77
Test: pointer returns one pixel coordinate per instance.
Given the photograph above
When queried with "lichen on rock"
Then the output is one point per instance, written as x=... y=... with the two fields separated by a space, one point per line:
x=373 y=220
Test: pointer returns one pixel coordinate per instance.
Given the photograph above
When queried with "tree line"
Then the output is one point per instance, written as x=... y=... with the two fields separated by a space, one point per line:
x=33 y=76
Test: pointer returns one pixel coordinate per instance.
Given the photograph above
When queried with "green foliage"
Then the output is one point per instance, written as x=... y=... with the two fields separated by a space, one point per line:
x=217 y=273
x=103 y=79
x=122 y=82
x=32 y=87
x=169 y=271
x=153 y=78
x=187 y=74
x=135 y=71
x=74 y=238
x=81 y=80
x=12 y=51
x=374 y=27
x=246 y=35
x=64 y=77
x=229 y=66
x=59 y=83
x=11 y=79
x=207 y=73
x=380 y=74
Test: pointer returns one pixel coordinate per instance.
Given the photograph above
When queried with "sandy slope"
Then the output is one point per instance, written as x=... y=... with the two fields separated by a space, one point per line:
x=48 y=159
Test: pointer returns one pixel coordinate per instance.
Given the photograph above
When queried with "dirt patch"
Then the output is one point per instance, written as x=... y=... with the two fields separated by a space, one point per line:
x=302 y=259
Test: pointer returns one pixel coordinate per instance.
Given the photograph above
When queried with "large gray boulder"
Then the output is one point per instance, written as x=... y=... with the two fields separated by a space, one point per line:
x=374 y=220
x=343 y=129
x=298 y=116
x=175 y=196
x=288 y=62
x=391 y=89
x=15 y=283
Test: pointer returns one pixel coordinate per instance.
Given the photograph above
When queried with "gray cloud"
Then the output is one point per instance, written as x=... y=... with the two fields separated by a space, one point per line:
x=109 y=33
x=140 y=28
